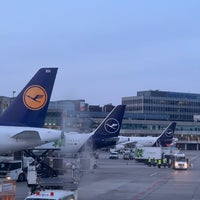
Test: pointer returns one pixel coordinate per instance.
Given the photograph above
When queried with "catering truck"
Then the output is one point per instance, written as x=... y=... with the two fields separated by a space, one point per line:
x=47 y=189
x=142 y=154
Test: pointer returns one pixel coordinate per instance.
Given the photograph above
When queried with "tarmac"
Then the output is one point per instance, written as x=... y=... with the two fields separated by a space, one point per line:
x=130 y=180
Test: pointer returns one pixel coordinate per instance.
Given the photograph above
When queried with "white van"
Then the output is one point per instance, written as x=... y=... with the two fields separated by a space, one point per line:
x=52 y=195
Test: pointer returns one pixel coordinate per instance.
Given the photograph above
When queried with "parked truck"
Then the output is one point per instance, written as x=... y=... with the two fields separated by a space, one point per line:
x=142 y=154
x=180 y=161
x=14 y=169
x=17 y=169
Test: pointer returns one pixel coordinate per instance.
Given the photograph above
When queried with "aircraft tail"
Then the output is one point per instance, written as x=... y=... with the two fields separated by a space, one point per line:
x=166 y=137
x=107 y=132
x=29 y=108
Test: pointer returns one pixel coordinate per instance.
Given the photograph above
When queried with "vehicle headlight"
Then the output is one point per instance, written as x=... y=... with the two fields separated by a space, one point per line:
x=176 y=165
x=186 y=165
x=8 y=178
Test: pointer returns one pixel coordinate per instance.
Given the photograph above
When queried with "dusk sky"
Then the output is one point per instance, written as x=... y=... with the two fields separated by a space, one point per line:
x=105 y=50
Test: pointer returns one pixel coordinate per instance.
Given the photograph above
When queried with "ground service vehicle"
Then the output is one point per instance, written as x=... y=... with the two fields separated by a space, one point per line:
x=52 y=195
x=179 y=161
x=17 y=169
x=47 y=190
x=114 y=155
x=128 y=156
x=14 y=169
x=142 y=154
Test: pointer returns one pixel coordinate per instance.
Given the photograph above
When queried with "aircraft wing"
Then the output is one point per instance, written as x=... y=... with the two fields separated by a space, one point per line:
x=27 y=135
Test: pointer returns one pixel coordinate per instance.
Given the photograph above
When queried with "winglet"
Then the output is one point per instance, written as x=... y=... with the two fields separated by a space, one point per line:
x=29 y=108
x=166 y=137
x=109 y=128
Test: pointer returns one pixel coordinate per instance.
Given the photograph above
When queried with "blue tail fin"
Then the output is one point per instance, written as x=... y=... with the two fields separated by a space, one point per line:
x=166 y=138
x=29 y=108
x=107 y=132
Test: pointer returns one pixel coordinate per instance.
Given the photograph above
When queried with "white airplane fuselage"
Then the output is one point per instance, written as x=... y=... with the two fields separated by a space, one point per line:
x=71 y=143
x=11 y=139
x=144 y=141
x=74 y=141
x=104 y=135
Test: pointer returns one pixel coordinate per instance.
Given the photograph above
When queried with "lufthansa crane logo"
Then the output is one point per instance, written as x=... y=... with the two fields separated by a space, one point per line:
x=111 y=125
x=169 y=133
x=35 y=97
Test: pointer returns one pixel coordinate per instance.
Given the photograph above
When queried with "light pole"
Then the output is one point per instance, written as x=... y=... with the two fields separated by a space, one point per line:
x=14 y=94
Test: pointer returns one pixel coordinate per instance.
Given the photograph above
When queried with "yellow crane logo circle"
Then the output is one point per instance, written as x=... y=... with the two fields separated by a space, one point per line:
x=35 y=97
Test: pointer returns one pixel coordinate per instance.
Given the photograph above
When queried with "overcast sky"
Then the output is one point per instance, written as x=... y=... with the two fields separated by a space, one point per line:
x=105 y=50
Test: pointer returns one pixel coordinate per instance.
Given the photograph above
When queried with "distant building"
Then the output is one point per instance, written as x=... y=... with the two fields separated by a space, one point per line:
x=95 y=108
x=67 y=115
x=108 y=108
x=175 y=106
x=69 y=105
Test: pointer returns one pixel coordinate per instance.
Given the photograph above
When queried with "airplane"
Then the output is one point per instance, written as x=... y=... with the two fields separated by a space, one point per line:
x=166 y=138
x=21 y=123
x=106 y=134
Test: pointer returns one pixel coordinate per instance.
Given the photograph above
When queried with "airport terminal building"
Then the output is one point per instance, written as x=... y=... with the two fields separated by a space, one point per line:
x=172 y=106
x=148 y=113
